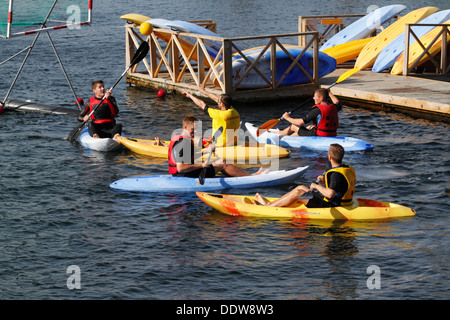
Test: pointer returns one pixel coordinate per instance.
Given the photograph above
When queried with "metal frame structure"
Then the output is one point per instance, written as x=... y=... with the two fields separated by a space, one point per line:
x=37 y=32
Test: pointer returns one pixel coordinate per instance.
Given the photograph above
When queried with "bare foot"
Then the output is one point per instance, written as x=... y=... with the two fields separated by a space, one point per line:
x=260 y=171
x=259 y=200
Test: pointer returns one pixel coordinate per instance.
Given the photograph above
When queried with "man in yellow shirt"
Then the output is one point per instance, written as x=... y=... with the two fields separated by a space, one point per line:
x=226 y=116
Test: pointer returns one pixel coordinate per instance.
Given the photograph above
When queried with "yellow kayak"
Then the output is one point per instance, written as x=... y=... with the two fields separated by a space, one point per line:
x=347 y=51
x=245 y=153
x=415 y=50
x=362 y=209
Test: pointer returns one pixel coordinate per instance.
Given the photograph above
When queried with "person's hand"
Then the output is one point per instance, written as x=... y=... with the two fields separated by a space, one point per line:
x=320 y=179
x=86 y=118
x=107 y=94
x=285 y=115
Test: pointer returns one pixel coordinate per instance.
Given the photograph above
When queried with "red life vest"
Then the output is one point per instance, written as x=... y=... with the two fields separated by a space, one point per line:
x=105 y=112
x=328 y=122
x=171 y=158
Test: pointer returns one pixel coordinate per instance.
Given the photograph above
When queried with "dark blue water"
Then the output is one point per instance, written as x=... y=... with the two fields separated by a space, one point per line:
x=57 y=209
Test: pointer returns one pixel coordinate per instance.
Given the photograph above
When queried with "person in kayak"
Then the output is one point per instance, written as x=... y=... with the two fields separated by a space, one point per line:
x=226 y=116
x=182 y=154
x=337 y=190
x=324 y=117
x=103 y=124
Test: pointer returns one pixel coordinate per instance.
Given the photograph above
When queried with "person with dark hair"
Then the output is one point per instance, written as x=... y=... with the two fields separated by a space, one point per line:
x=182 y=155
x=225 y=116
x=338 y=189
x=103 y=124
x=324 y=117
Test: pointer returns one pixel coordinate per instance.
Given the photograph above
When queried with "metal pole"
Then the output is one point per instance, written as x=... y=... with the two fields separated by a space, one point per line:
x=28 y=53
x=64 y=71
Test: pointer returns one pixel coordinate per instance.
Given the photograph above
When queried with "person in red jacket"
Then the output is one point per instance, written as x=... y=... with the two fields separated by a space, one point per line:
x=182 y=154
x=324 y=116
x=103 y=124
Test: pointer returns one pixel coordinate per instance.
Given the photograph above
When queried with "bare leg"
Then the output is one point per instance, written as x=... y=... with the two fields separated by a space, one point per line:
x=285 y=200
x=289 y=131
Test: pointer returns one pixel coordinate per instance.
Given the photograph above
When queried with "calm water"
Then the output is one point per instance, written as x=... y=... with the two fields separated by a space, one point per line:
x=57 y=209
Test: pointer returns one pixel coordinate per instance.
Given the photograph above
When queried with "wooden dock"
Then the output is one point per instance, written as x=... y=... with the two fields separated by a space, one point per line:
x=420 y=96
x=171 y=67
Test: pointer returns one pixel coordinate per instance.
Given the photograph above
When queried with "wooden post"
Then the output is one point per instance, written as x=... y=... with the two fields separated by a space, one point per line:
x=175 y=59
x=406 y=50
x=227 y=67
x=200 y=64
x=444 y=50
x=273 y=62
x=316 y=59
x=129 y=46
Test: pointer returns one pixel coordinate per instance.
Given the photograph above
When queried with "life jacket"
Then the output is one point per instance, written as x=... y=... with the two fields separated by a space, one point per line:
x=328 y=122
x=105 y=113
x=230 y=120
x=349 y=173
x=171 y=158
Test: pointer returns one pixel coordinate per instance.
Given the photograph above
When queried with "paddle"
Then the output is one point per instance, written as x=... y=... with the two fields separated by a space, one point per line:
x=217 y=134
x=272 y=123
x=140 y=54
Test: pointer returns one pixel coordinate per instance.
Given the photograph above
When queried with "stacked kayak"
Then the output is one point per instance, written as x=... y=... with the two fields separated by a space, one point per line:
x=246 y=78
x=308 y=142
x=393 y=50
x=240 y=153
x=416 y=52
x=363 y=26
x=168 y=183
x=98 y=144
x=361 y=209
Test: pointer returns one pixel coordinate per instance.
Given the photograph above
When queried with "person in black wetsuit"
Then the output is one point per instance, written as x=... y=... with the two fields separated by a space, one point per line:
x=103 y=124
x=338 y=189
x=182 y=155
x=323 y=115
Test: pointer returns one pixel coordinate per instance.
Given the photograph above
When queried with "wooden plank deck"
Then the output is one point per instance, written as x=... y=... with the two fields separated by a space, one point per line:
x=422 y=96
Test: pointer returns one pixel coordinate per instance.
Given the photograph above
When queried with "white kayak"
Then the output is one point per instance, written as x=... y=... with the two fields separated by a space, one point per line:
x=98 y=144
x=309 y=142
x=168 y=183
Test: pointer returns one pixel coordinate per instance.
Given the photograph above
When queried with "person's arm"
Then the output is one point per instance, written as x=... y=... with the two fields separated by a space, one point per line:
x=297 y=122
x=212 y=96
x=326 y=192
x=335 y=100
x=182 y=151
x=84 y=115
x=196 y=100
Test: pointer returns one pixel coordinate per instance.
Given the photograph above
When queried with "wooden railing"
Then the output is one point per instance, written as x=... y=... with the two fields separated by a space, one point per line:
x=333 y=23
x=174 y=58
x=443 y=35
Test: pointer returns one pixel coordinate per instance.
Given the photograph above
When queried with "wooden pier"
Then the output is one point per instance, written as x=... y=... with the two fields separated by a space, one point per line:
x=174 y=66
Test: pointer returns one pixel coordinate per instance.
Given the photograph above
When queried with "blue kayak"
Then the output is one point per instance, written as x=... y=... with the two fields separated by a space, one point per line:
x=309 y=142
x=168 y=183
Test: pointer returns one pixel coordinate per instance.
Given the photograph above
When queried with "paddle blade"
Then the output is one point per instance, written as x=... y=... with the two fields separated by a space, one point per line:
x=347 y=74
x=75 y=133
x=140 y=54
x=216 y=135
x=266 y=126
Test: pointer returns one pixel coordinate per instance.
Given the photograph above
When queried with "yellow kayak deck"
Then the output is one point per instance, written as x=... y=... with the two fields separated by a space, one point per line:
x=248 y=152
x=362 y=209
